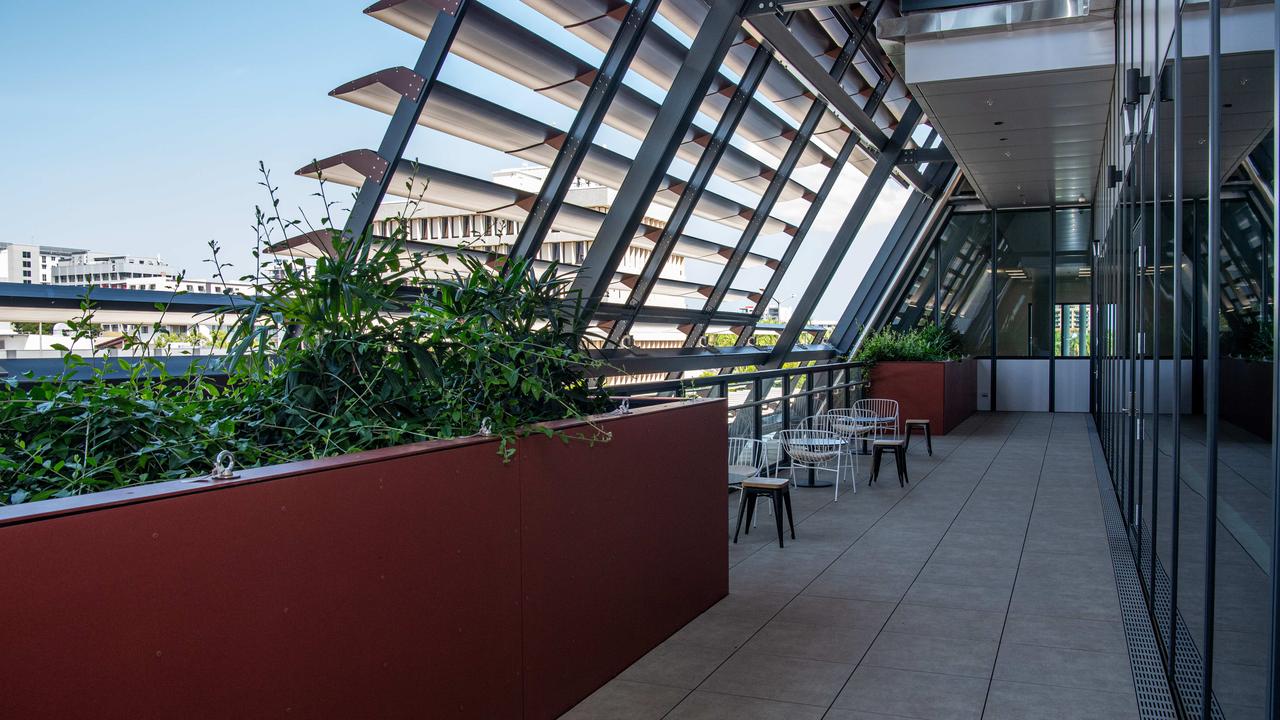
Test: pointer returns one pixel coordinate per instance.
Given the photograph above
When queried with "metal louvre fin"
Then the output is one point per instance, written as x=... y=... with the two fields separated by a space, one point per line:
x=472 y=118
x=319 y=243
x=426 y=183
x=658 y=59
x=495 y=43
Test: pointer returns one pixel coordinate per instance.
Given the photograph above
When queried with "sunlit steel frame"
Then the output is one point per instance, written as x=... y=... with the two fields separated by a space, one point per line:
x=779 y=181
x=692 y=193
x=898 y=244
x=657 y=149
x=405 y=119
x=845 y=235
x=577 y=142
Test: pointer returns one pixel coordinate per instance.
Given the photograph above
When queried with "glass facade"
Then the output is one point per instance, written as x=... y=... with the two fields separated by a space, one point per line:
x=1184 y=355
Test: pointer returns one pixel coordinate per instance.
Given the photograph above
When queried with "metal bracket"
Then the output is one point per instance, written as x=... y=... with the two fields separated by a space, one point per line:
x=1114 y=176
x=762 y=7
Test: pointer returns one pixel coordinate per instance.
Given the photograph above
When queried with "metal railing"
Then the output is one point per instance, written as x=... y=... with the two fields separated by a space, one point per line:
x=765 y=402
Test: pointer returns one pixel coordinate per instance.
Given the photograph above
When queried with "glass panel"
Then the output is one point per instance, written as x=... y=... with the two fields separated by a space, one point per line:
x=1023 y=312
x=917 y=305
x=965 y=249
x=1073 y=278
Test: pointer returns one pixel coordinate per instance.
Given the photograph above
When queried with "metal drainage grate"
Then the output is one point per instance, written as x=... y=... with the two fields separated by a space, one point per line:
x=1150 y=684
x=1189 y=668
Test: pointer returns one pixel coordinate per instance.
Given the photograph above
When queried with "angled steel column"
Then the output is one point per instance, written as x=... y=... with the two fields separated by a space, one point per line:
x=577 y=141
x=403 y=121
x=660 y=143
x=1273 y=677
x=1212 y=361
x=793 y=51
x=1175 y=463
x=702 y=173
x=779 y=181
x=921 y=217
x=810 y=217
x=845 y=236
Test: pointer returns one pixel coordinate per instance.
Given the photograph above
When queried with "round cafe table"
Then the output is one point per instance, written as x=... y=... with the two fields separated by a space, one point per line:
x=865 y=439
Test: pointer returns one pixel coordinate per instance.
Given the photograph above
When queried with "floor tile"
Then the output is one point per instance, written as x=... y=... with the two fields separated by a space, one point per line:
x=913 y=694
x=676 y=664
x=786 y=679
x=622 y=700
x=946 y=622
x=1025 y=701
x=925 y=653
x=703 y=705
x=1086 y=669
x=815 y=642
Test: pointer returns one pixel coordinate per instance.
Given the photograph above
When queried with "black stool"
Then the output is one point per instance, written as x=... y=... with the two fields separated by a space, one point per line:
x=779 y=490
x=899 y=451
x=919 y=425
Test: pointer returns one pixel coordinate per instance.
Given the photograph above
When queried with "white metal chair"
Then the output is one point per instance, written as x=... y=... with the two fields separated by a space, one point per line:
x=747 y=460
x=856 y=427
x=884 y=416
x=813 y=449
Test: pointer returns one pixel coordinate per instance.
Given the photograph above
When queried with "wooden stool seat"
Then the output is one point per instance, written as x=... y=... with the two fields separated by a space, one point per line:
x=765 y=483
x=776 y=489
x=918 y=424
x=898 y=449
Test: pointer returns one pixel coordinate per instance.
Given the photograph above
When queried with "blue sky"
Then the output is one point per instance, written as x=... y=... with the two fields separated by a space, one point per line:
x=138 y=125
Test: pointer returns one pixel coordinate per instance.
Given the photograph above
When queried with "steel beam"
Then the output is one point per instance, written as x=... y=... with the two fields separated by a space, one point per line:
x=845 y=236
x=656 y=151
x=702 y=174
x=615 y=312
x=379 y=173
x=810 y=217
x=1212 y=360
x=679 y=360
x=577 y=142
x=776 y=34
x=880 y=279
x=788 y=165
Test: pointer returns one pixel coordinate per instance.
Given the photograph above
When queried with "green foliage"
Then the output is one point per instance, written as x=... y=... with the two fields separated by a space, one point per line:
x=927 y=342
x=359 y=350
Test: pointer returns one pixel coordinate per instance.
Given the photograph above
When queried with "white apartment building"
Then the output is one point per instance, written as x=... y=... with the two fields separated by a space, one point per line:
x=450 y=227
x=31 y=264
x=107 y=269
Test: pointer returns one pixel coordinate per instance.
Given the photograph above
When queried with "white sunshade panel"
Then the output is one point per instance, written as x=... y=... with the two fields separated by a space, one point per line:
x=475 y=119
x=319 y=243
x=659 y=58
x=779 y=85
x=425 y=183
x=505 y=48
x=863 y=76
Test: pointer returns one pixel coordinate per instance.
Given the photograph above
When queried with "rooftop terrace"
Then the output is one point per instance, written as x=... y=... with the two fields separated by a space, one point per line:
x=984 y=589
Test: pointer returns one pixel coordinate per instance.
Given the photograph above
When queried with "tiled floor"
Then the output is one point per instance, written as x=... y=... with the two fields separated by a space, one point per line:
x=984 y=590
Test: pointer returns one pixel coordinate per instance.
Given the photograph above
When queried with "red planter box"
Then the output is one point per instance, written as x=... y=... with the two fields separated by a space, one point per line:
x=1245 y=394
x=429 y=580
x=944 y=393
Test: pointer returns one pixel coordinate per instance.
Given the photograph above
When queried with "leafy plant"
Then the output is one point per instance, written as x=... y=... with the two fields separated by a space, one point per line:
x=370 y=346
x=926 y=342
